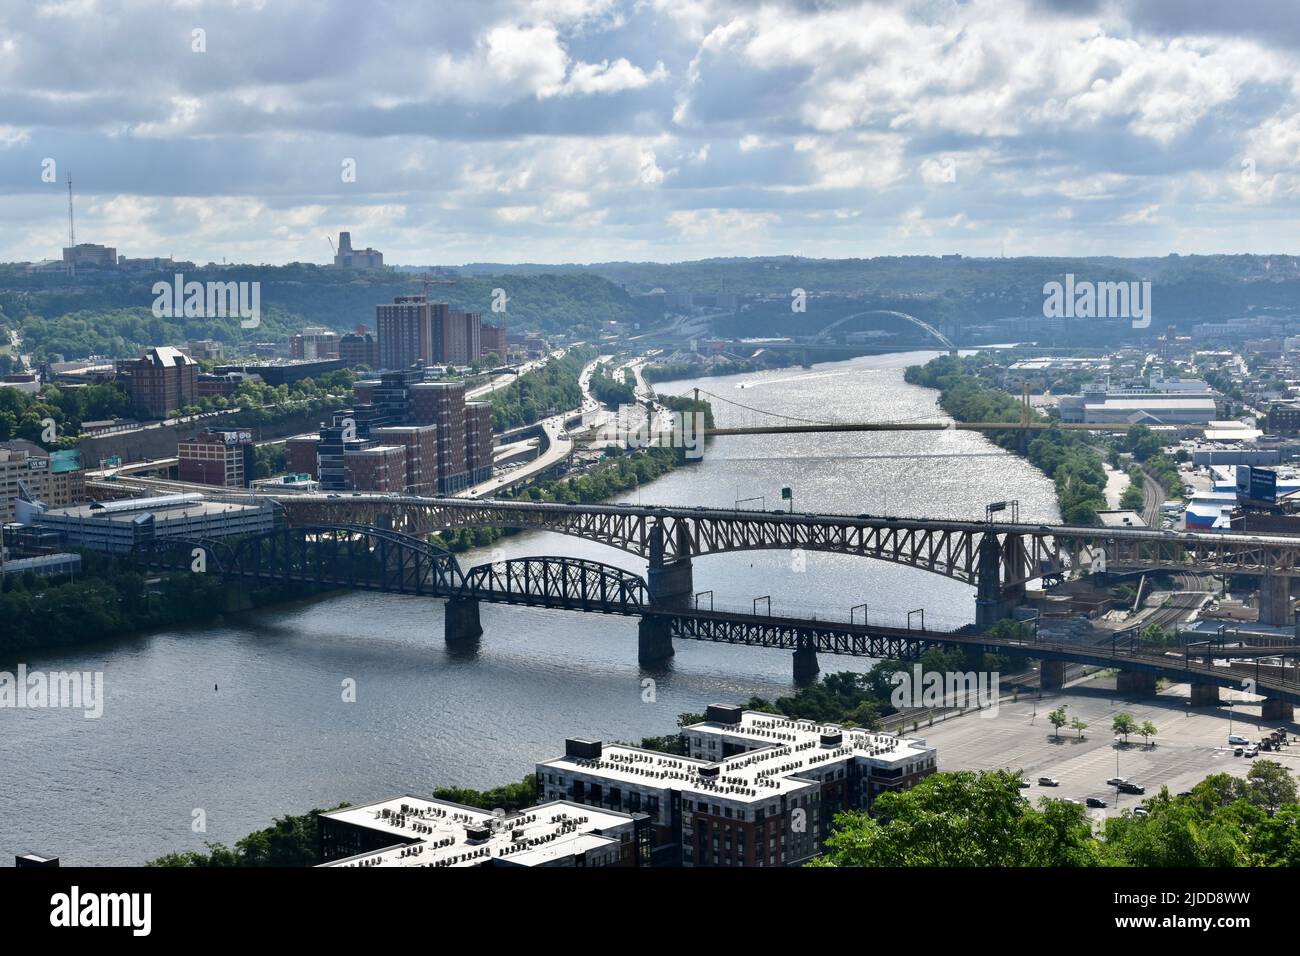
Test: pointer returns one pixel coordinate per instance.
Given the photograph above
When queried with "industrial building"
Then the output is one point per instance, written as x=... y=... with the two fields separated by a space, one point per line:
x=1164 y=402
x=417 y=831
x=756 y=790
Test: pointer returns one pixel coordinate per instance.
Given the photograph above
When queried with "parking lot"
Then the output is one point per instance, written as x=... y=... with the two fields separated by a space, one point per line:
x=1191 y=744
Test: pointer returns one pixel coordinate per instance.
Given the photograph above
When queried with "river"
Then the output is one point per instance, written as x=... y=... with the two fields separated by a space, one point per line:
x=245 y=719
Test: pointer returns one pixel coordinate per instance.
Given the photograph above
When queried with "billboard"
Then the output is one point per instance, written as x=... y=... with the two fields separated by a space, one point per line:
x=1256 y=484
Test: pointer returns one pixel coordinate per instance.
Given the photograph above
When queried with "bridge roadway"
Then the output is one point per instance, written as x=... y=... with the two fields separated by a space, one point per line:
x=999 y=558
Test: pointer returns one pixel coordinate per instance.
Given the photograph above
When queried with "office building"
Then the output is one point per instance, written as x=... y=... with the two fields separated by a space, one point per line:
x=30 y=473
x=314 y=343
x=359 y=349
x=417 y=831
x=300 y=455
x=756 y=790
x=224 y=458
x=90 y=254
x=162 y=380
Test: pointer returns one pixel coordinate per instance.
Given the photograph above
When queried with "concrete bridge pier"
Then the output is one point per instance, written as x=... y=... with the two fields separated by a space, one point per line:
x=1275 y=600
x=1051 y=675
x=671 y=583
x=992 y=603
x=1274 y=709
x=806 y=667
x=461 y=621
x=1205 y=695
x=654 y=641
x=1136 y=684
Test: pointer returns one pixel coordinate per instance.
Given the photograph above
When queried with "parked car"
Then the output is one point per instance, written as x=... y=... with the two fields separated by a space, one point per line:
x=1252 y=751
x=1097 y=803
x=1129 y=787
x=1237 y=739
x=1116 y=781
x=1024 y=784
x=1238 y=751
x=1141 y=812
x=1048 y=782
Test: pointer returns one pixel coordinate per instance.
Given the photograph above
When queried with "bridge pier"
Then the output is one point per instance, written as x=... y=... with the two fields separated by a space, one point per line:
x=1274 y=709
x=670 y=583
x=1051 y=675
x=461 y=621
x=992 y=602
x=806 y=667
x=1205 y=695
x=654 y=640
x=1136 y=684
x=1275 y=600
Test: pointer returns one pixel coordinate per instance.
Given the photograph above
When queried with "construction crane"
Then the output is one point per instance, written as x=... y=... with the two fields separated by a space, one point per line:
x=72 y=234
x=333 y=252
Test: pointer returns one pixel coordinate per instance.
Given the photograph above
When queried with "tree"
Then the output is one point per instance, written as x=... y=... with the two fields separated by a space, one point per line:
x=1269 y=785
x=1148 y=730
x=1124 y=724
x=962 y=819
x=1057 y=719
x=1079 y=725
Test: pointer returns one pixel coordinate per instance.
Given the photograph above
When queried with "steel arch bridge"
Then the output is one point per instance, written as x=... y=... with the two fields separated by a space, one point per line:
x=919 y=323
x=569 y=583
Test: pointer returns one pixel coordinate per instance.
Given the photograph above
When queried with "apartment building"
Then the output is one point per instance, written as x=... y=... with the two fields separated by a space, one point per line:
x=443 y=404
x=416 y=831
x=314 y=343
x=478 y=441
x=755 y=790
x=162 y=380
x=375 y=467
x=420 y=444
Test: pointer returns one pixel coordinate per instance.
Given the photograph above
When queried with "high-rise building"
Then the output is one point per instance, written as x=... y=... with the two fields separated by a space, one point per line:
x=162 y=380
x=478 y=441
x=461 y=338
x=405 y=331
x=225 y=458
x=443 y=404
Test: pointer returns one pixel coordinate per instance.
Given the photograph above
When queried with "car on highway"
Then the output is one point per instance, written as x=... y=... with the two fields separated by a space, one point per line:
x=1048 y=782
x=1096 y=803
x=1129 y=787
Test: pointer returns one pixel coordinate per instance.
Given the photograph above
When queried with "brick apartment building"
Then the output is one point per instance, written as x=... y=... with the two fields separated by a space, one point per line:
x=443 y=404
x=756 y=790
x=300 y=455
x=414 y=331
x=359 y=349
x=493 y=340
x=379 y=468
x=420 y=443
x=478 y=441
x=162 y=380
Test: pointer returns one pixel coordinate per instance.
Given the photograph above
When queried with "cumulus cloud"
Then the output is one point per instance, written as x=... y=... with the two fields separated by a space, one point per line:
x=536 y=129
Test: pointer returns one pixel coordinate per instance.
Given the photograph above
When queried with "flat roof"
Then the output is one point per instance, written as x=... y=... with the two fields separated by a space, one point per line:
x=432 y=832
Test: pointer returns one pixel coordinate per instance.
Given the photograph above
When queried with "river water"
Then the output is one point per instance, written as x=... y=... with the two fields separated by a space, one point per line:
x=245 y=719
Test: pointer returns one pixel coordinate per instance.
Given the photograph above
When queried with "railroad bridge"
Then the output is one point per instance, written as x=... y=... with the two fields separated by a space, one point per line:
x=998 y=558
x=366 y=557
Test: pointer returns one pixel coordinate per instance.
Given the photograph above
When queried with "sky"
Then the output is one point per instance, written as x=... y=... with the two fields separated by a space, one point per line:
x=592 y=130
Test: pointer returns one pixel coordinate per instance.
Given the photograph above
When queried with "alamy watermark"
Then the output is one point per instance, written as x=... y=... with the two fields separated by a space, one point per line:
x=636 y=428
x=38 y=690
x=1083 y=299
x=918 y=688
x=209 y=300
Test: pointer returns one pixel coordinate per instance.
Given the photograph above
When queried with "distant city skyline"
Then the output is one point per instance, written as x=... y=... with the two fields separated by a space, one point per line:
x=555 y=131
